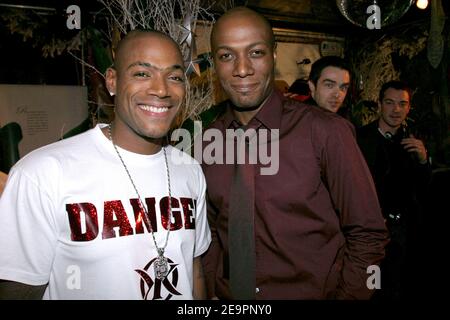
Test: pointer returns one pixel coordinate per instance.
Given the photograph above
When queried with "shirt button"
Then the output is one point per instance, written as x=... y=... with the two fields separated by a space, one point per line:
x=257 y=290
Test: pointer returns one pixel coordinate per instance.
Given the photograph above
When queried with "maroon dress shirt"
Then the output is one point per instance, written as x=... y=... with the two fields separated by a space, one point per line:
x=318 y=224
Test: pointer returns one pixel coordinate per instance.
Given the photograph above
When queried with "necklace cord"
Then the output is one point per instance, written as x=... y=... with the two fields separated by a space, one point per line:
x=160 y=250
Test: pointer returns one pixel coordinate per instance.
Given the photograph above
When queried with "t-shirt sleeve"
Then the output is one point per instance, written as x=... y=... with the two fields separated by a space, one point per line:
x=202 y=231
x=28 y=234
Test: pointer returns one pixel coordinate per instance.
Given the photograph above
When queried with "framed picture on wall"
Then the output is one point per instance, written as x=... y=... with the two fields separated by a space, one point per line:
x=297 y=50
x=41 y=114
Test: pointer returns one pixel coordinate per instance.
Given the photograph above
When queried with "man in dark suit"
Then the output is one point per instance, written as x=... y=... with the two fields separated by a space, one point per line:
x=401 y=172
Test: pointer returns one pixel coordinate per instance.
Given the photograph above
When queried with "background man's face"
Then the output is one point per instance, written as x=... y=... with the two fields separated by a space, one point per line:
x=331 y=88
x=395 y=107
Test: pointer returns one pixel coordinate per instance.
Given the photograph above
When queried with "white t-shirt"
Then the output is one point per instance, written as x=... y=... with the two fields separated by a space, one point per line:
x=70 y=217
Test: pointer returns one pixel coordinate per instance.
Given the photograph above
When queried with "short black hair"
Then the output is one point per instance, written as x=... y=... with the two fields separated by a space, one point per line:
x=328 y=61
x=397 y=85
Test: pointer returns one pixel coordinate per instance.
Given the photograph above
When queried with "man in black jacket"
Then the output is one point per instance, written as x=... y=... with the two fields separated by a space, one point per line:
x=401 y=172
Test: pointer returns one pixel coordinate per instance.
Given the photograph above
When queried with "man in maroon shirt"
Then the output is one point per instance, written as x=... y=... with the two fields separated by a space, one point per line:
x=317 y=223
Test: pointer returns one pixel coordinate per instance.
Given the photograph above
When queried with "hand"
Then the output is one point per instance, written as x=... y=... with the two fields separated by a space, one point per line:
x=290 y=95
x=416 y=146
x=3 y=178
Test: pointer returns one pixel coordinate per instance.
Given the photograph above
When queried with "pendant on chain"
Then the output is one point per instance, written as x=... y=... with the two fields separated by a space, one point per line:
x=161 y=267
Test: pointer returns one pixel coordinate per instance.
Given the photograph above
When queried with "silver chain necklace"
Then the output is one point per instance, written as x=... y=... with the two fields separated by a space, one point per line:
x=161 y=264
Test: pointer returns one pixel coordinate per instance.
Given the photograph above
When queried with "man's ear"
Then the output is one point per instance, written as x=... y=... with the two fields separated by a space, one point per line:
x=407 y=111
x=111 y=80
x=275 y=52
x=312 y=87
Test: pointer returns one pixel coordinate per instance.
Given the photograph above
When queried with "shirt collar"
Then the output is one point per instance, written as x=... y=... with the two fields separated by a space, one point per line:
x=268 y=116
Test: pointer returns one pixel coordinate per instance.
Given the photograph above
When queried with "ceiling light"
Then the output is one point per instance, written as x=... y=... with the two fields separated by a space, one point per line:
x=422 y=4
